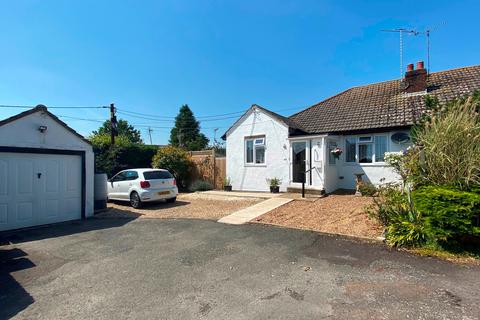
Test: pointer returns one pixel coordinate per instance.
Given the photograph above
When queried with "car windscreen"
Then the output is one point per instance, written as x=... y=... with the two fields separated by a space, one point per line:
x=154 y=175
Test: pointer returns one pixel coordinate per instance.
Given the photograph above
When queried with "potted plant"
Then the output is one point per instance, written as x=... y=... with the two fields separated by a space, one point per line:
x=227 y=186
x=274 y=185
x=336 y=152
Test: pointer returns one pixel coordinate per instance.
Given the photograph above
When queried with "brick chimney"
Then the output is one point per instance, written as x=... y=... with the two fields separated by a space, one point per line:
x=416 y=79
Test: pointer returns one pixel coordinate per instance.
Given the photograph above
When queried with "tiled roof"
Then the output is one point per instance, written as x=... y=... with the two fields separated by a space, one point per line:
x=384 y=104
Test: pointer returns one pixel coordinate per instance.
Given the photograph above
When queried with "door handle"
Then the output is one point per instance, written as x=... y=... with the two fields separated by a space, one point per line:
x=39 y=175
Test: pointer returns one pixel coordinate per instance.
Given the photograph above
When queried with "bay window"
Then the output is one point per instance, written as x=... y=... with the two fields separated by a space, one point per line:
x=255 y=150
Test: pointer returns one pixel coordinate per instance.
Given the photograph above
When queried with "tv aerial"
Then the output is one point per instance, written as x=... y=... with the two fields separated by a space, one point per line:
x=401 y=32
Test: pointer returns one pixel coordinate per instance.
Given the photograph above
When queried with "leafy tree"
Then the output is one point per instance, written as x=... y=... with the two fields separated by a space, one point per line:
x=124 y=130
x=186 y=132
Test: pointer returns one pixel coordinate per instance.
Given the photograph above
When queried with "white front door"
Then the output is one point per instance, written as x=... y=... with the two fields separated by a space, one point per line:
x=39 y=189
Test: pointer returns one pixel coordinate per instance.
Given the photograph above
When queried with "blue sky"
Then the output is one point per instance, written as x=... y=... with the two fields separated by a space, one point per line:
x=217 y=56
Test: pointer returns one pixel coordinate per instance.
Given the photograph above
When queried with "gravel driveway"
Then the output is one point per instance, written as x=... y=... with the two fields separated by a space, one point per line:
x=188 y=206
x=200 y=269
x=336 y=213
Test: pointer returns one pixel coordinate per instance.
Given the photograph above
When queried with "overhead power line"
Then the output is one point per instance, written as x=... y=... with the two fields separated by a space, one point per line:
x=170 y=117
x=152 y=117
x=172 y=120
x=59 y=107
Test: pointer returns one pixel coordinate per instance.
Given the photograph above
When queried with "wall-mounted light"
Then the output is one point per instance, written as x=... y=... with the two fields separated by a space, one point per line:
x=42 y=129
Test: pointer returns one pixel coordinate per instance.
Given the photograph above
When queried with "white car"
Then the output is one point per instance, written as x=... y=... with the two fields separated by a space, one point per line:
x=142 y=185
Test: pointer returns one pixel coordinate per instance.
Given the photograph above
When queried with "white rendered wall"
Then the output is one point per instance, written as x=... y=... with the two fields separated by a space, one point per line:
x=250 y=177
x=375 y=173
x=24 y=133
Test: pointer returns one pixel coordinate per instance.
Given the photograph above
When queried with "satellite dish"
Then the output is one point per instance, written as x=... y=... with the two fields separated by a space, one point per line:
x=400 y=137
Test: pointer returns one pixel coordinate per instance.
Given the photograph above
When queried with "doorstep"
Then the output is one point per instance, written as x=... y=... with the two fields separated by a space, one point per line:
x=242 y=194
x=250 y=213
x=308 y=190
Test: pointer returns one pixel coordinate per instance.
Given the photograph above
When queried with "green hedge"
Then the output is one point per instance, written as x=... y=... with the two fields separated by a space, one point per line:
x=448 y=213
x=110 y=160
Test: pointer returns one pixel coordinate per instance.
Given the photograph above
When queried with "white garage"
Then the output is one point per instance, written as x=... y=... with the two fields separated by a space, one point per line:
x=46 y=171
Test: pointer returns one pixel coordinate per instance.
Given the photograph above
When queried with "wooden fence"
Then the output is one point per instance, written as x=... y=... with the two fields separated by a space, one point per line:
x=210 y=167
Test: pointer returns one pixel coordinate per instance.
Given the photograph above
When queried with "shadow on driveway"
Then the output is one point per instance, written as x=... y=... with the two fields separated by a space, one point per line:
x=63 y=229
x=11 y=292
x=13 y=296
x=153 y=205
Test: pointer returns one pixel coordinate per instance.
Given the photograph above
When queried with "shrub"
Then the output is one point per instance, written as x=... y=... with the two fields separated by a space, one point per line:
x=449 y=139
x=227 y=181
x=274 y=182
x=367 y=189
x=201 y=185
x=393 y=207
x=437 y=215
x=406 y=229
x=389 y=199
x=449 y=213
x=178 y=162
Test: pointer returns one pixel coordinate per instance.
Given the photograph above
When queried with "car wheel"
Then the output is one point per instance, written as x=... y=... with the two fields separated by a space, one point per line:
x=172 y=200
x=135 y=200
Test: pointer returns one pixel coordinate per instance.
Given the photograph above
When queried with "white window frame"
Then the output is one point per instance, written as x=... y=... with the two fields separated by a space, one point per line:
x=255 y=143
x=369 y=141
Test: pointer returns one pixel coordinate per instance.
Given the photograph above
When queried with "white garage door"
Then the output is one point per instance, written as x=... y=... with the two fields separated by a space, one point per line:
x=39 y=189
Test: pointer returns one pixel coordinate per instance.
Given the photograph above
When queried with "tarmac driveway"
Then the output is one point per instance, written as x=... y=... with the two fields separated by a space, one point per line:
x=190 y=269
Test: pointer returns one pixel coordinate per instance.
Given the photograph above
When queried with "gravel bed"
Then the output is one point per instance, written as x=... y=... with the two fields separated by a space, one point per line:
x=342 y=214
x=187 y=206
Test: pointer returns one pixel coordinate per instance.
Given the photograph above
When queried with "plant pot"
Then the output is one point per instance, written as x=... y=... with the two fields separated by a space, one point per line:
x=275 y=189
x=227 y=188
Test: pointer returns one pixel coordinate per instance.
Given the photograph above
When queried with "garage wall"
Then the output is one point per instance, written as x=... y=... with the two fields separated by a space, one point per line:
x=24 y=133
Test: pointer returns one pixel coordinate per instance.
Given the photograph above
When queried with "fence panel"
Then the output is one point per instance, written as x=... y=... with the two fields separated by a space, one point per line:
x=209 y=167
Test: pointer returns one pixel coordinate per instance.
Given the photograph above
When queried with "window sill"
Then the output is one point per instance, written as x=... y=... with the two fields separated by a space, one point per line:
x=255 y=165
x=374 y=164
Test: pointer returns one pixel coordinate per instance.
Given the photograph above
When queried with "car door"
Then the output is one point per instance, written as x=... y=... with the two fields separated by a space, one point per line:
x=126 y=185
x=115 y=184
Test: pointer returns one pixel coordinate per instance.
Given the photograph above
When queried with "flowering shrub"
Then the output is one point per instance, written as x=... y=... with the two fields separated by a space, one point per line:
x=393 y=159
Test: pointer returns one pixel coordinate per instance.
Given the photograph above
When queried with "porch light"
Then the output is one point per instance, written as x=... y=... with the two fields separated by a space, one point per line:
x=42 y=129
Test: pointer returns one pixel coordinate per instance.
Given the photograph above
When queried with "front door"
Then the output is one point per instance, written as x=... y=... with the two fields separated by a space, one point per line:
x=299 y=161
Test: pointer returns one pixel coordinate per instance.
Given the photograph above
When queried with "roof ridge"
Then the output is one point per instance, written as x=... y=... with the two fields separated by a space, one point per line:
x=457 y=68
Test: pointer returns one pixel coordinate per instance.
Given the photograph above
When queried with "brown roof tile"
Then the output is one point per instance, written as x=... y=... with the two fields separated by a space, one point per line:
x=384 y=104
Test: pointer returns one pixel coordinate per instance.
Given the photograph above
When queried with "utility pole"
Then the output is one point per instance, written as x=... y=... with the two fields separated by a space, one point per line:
x=113 y=124
x=150 y=134
x=215 y=137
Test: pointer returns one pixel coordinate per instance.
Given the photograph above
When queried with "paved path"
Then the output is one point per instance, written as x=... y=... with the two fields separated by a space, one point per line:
x=192 y=269
x=244 y=215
